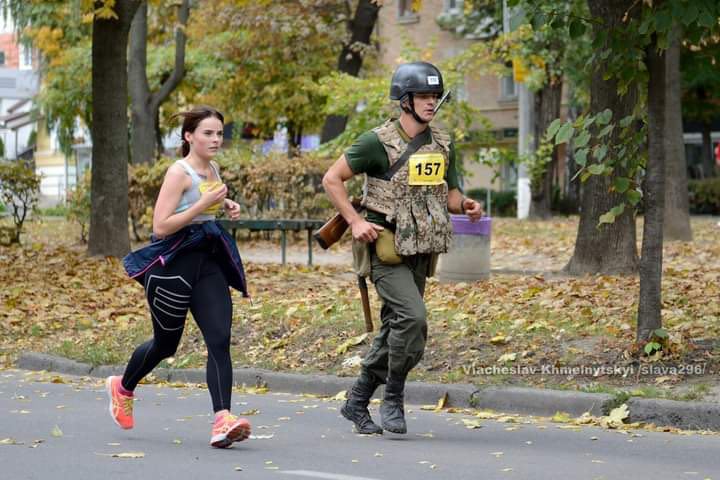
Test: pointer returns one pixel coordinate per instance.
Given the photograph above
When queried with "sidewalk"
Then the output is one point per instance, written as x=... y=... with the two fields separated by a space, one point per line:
x=529 y=401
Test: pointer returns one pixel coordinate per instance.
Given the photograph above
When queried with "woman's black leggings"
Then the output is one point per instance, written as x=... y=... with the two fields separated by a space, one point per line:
x=191 y=281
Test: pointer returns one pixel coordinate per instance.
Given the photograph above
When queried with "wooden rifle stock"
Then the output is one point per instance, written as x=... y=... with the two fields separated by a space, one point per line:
x=334 y=228
x=365 y=299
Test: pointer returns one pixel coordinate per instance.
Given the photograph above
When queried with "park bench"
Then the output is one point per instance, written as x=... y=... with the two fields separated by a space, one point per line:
x=283 y=225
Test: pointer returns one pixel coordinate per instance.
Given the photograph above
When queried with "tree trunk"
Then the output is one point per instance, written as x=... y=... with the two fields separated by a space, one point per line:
x=649 y=309
x=708 y=157
x=294 y=139
x=146 y=104
x=676 y=224
x=109 y=183
x=360 y=29
x=611 y=248
x=547 y=109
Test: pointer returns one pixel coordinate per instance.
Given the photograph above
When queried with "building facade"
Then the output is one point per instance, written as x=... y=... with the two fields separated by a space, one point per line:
x=495 y=98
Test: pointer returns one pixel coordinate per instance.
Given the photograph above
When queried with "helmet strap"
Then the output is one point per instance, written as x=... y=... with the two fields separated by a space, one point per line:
x=411 y=109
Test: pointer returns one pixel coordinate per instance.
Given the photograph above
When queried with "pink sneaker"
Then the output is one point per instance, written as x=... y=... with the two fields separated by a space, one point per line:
x=121 y=405
x=228 y=429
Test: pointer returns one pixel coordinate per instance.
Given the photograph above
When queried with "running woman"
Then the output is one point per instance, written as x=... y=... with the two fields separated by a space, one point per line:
x=190 y=265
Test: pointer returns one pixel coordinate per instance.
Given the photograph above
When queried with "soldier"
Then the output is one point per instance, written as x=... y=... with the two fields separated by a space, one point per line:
x=411 y=186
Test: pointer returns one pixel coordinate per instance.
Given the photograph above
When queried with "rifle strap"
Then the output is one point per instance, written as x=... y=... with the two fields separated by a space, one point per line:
x=414 y=145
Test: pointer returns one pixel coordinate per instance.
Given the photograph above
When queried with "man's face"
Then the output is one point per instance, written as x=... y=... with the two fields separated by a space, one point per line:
x=425 y=104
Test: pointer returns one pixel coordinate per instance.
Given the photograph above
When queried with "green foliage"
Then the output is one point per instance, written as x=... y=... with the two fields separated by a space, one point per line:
x=481 y=19
x=365 y=100
x=19 y=186
x=144 y=182
x=704 y=196
x=701 y=79
x=56 y=211
x=63 y=37
x=596 y=155
x=278 y=52
x=657 y=342
x=78 y=205
x=537 y=163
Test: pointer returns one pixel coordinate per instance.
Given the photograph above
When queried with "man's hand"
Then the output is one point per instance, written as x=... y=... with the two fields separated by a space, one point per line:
x=473 y=209
x=365 y=231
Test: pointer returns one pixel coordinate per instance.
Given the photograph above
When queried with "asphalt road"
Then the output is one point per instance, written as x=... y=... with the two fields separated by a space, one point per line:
x=63 y=431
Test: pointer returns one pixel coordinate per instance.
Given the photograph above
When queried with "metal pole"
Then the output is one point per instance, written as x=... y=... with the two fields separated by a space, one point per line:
x=525 y=140
x=283 y=244
x=310 y=239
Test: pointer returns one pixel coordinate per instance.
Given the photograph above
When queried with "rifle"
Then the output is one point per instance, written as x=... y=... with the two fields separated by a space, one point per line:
x=333 y=230
x=444 y=99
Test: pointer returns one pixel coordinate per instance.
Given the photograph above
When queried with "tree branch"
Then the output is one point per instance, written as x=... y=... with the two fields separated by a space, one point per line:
x=179 y=70
x=137 y=78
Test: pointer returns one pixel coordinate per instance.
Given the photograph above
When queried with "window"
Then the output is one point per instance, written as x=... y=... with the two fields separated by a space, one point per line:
x=25 y=57
x=508 y=88
x=453 y=6
x=407 y=11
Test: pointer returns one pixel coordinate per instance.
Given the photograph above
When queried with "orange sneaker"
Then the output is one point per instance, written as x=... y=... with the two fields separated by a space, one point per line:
x=121 y=405
x=228 y=429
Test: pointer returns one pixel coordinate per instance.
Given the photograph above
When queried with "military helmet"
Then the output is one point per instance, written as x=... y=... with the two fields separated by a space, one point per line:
x=416 y=77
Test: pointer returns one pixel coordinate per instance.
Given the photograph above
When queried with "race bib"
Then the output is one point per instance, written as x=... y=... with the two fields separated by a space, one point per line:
x=426 y=169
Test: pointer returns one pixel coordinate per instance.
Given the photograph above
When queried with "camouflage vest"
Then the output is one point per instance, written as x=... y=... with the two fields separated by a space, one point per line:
x=420 y=214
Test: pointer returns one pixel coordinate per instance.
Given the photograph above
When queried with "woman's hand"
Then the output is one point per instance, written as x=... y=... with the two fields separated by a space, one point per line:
x=212 y=197
x=232 y=209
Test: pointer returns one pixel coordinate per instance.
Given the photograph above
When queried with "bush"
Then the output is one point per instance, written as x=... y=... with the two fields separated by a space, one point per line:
x=502 y=204
x=56 y=211
x=272 y=186
x=19 y=186
x=704 y=196
x=78 y=205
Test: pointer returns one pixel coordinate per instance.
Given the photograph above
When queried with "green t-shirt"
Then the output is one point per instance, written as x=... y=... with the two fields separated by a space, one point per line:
x=367 y=155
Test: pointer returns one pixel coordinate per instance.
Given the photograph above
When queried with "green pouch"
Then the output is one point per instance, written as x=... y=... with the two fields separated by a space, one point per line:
x=361 y=258
x=385 y=248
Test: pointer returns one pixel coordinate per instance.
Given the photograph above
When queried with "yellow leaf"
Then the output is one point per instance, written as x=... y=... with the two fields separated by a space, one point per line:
x=56 y=432
x=507 y=357
x=561 y=417
x=441 y=402
x=10 y=441
x=472 y=423
x=616 y=417
x=351 y=342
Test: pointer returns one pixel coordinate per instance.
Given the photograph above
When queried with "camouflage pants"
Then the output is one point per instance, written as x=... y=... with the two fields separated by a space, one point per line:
x=400 y=344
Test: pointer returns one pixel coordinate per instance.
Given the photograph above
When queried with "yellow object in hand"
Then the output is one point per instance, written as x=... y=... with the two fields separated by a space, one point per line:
x=209 y=186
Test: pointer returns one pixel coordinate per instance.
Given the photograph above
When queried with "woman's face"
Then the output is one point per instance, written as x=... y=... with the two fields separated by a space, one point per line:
x=207 y=138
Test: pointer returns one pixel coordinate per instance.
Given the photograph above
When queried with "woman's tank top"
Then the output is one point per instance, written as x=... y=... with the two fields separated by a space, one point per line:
x=192 y=194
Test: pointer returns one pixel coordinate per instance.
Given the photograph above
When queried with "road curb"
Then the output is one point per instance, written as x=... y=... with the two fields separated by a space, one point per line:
x=528 y=401
x=544 y=402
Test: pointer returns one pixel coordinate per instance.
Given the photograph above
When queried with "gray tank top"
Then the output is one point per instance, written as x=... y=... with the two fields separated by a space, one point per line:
x=192 y=194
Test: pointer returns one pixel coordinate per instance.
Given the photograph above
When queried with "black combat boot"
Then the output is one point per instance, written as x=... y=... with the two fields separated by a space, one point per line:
x=355 y=408
x=392 y=410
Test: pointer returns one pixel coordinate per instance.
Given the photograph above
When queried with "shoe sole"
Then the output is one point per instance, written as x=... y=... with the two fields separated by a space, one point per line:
x=398 y=431
x=357 y=429
x=108 y=390
x=237 y=434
